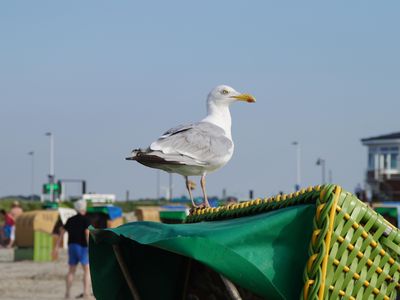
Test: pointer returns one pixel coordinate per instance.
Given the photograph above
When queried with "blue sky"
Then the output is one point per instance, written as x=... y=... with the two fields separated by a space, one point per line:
x=108 y=76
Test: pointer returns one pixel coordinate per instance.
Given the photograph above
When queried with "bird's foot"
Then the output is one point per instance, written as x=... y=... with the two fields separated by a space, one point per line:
x=198 y=207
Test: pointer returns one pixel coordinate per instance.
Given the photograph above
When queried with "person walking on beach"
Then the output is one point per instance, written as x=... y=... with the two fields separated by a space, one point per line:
x=78 y=237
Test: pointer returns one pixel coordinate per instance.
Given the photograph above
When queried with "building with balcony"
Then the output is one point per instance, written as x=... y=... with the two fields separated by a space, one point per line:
x=383 y=170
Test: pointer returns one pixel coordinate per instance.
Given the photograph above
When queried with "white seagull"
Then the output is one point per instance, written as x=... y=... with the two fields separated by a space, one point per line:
x=199 y=148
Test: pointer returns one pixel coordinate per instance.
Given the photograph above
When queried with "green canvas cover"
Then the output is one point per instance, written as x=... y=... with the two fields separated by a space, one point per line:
x=318 y=243
x=251 y=251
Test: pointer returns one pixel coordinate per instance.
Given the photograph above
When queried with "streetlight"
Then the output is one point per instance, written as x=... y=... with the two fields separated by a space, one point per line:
x=32 y=154
x=158 y=185
x=321 y=162
x=170 y=186
x=51 y=173
x=298 y=155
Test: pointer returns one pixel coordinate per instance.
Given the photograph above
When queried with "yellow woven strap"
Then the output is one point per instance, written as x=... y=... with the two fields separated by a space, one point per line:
x=328 y=241
x=254 y=207
x=316 y=268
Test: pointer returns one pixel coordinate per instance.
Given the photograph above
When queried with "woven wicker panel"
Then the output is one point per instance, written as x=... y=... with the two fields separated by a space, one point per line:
x=253 y=207
x=353 y=251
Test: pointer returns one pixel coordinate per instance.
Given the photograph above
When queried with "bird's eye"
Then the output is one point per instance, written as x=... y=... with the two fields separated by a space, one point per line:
x=224 y=92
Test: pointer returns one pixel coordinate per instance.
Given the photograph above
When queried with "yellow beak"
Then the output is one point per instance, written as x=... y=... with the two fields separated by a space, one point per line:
x=245 y=97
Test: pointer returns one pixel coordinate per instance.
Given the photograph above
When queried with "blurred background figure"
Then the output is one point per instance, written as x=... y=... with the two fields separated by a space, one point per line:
x=16 y=210
x=360 y=193
x=7 y=235
x=78 y=237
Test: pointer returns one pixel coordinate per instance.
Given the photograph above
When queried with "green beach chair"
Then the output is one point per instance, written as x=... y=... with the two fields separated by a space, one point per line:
x=318 y=243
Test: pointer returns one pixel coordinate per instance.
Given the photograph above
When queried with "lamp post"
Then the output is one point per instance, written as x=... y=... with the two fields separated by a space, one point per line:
x=158 y=185
x=51 y=172
x=298 y=171
x=321 y=162
x=32 y=155
x=170 y=187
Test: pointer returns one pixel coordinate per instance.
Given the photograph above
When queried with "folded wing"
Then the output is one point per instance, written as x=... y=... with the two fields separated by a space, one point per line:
x=200 y=143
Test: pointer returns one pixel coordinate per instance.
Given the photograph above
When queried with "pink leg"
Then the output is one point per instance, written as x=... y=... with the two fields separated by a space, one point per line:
x=190 y=191
x=203 y=188
x=69 y=280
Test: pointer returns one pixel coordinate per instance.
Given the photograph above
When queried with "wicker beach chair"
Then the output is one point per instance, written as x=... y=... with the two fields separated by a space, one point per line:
x=317 y=243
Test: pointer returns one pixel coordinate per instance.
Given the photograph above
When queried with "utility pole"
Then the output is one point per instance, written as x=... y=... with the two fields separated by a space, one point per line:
x=321 y=162
x=32 y=155
x=51 y=173
x=298 y=165
x=170 y=186
x=158 y=185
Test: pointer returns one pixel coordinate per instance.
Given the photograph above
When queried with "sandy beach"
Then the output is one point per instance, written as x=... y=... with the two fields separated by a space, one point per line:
x=37 y=280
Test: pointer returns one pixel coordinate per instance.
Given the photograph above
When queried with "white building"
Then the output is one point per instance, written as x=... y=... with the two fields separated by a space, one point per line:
x=383 y=169
x=99 y=199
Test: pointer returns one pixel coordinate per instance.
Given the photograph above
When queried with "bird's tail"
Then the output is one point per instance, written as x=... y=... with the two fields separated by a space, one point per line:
x=148 y=157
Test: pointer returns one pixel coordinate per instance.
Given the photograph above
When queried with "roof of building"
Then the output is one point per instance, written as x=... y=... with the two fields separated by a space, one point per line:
x=390 y=136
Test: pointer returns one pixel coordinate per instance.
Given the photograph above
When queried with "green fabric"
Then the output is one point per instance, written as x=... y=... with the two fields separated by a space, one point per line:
x=387 y=211
x=97 y=209
x=23 y=254
x=265 y=254
x=43 y=246
x=174 y=215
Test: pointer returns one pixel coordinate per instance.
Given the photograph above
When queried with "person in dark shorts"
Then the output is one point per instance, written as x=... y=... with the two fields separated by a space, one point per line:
x=78 y=236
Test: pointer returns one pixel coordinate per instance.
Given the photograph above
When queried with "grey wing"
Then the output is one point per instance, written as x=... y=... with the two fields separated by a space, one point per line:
x=202 y=142
x=175 y=130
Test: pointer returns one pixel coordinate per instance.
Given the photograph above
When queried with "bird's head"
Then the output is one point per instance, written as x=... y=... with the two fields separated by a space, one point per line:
x=224 y=94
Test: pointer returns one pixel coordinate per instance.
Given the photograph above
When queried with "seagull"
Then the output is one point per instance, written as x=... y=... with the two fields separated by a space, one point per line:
x=199 y=148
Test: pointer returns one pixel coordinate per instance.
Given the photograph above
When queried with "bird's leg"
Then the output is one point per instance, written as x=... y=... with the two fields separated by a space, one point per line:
x=189 y=190
x=203 y=188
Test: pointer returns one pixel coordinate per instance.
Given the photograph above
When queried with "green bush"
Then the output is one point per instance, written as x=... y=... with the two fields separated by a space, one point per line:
x=25 y=204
